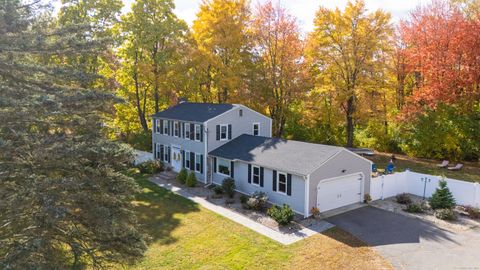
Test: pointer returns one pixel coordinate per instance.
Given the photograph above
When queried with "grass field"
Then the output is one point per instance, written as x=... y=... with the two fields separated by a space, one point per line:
x=470 y=172
x=186 y=236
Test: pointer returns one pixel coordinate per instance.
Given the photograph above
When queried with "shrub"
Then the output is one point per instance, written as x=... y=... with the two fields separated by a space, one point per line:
x=257 y=201
x=150 y=167
x=182 y=176
x=191 y=180
x=228 y=186
x=218 y=190
x=244 y=199
x=445 y=214
x=283 y=215
x=315 y=211
x=403 y=198
x=442 y=198
x=414 y=208
x=472 y=212
x=367 y=198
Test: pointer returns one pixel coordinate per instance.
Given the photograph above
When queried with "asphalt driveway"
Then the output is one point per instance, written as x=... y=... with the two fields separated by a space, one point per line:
x=410 y=243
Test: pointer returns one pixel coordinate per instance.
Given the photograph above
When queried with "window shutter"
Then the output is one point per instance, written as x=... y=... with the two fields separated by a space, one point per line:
x=289 y=184
x=249 y=173
x=229 y=132
x=192 y=132
x=161 y=153
x=201 y=163
x=155 y=151
x=214 y=164
x=183 y=129
x=192 y=161
x=201 y=133
x=154 y=126
x=161 y=126
x=169 y=153
x=218 y=132
x=274 y=183
x=183 y=158
x=232 y=167
x=261 y=176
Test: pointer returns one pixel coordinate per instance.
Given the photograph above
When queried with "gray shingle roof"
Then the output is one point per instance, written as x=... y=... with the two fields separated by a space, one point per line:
x=195 y=112
x=287 y=155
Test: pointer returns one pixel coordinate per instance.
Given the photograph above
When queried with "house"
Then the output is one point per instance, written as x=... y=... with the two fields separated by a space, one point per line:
x=231 y=140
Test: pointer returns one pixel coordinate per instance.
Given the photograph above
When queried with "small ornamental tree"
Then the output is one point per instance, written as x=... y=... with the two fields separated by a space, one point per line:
x=191 y=180
x=228 y=186
x=182 y=176
x=442 y=198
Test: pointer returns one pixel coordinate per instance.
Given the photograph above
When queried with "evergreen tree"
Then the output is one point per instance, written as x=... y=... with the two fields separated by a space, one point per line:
x=442 y=198
x=64 y=202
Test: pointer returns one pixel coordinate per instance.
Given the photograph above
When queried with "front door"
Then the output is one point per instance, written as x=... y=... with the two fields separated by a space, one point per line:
x=176 y=159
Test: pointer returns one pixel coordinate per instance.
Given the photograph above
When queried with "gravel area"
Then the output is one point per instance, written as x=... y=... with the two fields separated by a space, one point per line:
x=461 y=222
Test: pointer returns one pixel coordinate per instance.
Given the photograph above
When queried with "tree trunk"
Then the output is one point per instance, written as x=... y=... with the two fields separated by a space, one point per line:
x=140 y=111
x=350 y=126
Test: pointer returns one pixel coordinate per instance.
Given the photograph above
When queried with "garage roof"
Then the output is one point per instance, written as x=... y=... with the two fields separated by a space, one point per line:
x=291 y=156
x=195 y=112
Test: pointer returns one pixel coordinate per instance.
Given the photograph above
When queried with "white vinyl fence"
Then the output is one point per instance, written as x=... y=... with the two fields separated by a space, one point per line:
x=385 y=186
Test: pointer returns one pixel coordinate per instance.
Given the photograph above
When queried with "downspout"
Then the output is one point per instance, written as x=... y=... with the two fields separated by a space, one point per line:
x=306 y=207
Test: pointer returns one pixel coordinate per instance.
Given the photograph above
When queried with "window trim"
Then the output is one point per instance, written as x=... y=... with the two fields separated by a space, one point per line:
x=165 y=127
x=187 y=159
x=176 y=129
x=199 y=162
x=195 y=133
x=157 y=126
x=229 y=169
x=258 y=129
x=278 y=183
x=226 y=132
x=253 y=175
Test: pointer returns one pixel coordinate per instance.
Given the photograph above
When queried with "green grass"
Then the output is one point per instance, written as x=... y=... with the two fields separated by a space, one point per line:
x=187 y=236
x=470 y=172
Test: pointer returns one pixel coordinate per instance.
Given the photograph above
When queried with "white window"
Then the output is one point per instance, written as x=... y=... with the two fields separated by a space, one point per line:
x=198 y=166
x=256 y=129
x=223 y=166
x=165 y=153
x=197 y=132
x=176 y=128
x=165 y=127
x=187 y=131
x=158 y=151
x=187 y=159
x=223 y=132
x=256 y=175
x=282 y=183
x=157 y=126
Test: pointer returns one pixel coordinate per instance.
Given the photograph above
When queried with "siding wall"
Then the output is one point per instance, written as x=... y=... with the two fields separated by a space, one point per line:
x=295 y=201
x=184 y=144
x=240 y=125
x=333 y=168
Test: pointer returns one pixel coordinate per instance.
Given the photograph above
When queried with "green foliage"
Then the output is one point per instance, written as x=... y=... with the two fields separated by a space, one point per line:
x=403 y=198
x=243 y=199
x=283 y=215
x=444 y=133
x=228 y=186
x=257 y=200
x=182 y=176
x=150 y=167
x=218 y=190
x=444 y=214
x=191 y=180
x=65 y=203
x=442 y=198
x=414 y=208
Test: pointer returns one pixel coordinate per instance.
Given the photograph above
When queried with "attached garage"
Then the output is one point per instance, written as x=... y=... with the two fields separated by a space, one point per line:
x=322 y=176
x=339 y=191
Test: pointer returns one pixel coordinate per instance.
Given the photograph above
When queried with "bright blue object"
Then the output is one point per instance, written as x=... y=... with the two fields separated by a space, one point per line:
x=374 y=167
x=390 y=167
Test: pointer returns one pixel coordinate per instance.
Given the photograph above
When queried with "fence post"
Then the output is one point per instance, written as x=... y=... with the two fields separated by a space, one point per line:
x=383 y=181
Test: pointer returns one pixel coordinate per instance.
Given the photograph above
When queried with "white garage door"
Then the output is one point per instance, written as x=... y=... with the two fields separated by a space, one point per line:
x=340 y=191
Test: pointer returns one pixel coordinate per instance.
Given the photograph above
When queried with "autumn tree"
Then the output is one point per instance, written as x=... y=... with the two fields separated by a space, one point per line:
x=344 y=50
x=65 y=203
x=221 y=33
x=279 y=60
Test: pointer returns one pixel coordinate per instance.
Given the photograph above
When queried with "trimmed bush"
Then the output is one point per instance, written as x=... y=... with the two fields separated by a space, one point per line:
x=472 y=212
x=218 y=190
x=257 y=201
x=228 y=186
x=414 y=208
x=150 y=167
x=283 y=215
x=442 y=198
x=244 y=199
x=182 y=176
x=191 y=180
x=445 y=214
x=403 y=198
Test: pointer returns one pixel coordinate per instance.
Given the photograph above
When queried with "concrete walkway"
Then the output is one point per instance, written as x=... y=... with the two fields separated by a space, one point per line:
x=283 y=238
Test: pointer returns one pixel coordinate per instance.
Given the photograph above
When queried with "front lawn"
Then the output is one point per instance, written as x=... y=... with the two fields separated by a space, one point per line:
x=187 y=236
x=470 y=172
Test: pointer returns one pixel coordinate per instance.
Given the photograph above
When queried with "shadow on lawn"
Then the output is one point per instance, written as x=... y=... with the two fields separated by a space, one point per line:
x=156 y=207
